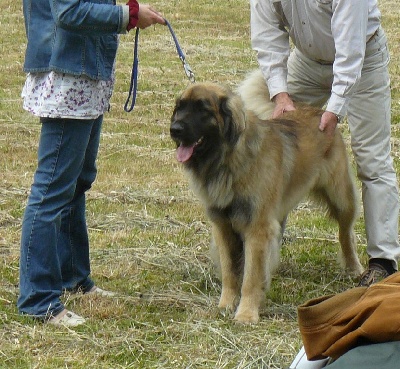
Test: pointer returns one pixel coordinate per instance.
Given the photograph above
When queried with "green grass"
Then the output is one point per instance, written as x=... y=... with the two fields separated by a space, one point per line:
x=149 y=234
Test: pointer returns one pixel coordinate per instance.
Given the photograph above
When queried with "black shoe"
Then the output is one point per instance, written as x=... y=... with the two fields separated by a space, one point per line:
x=375 y=273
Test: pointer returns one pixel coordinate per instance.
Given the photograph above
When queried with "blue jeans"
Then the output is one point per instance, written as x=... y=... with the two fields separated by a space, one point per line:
x=54 y=241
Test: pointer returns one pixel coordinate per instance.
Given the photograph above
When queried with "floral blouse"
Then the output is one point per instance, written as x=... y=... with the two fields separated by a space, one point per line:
x=58 y=95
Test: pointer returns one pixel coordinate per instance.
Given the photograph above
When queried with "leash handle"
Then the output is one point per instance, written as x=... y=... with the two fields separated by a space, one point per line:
x=134 y=76
x=129 y=105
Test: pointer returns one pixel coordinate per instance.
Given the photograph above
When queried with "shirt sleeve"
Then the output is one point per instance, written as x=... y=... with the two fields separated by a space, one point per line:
x=268 y=29
x=349 y=29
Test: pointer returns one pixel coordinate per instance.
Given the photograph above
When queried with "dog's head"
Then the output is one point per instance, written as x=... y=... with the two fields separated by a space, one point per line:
x=206 y=117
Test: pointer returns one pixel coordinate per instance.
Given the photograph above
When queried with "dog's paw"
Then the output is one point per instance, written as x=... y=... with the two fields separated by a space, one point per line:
x=247 y=313
x=247 y=317
x=248 y=309
x=354 y=269
x=226 y=313
x=228 y=300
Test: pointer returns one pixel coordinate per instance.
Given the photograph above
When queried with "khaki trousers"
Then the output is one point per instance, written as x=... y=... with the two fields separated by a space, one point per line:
x=369 y=120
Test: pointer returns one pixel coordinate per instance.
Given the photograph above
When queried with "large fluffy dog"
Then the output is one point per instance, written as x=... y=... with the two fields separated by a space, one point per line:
x=249 y=172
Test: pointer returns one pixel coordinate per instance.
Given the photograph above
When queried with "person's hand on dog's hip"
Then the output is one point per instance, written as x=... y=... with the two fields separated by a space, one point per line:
x=283 y=103
x=328 y=123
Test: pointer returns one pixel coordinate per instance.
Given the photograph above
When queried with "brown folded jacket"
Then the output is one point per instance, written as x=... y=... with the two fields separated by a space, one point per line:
x=332 y=325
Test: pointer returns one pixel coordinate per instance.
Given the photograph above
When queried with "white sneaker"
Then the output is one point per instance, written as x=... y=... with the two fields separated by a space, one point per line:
x=67 y=318
x=301 y=362
x=98 y=291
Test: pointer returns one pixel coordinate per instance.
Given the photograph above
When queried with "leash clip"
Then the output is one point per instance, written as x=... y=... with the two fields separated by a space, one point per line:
x=188 y=70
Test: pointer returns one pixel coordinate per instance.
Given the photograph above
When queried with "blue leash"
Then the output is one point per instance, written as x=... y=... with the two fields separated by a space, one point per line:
x=128 y=107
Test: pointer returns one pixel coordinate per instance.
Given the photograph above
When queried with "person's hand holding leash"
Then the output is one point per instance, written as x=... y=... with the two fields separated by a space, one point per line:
x=148 y=16
x=142 y=15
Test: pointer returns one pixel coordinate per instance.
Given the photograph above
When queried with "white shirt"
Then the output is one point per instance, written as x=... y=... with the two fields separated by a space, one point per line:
x=58 y=95
x=324 y=30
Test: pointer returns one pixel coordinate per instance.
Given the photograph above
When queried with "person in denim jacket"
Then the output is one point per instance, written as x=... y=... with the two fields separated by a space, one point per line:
x=69 y=61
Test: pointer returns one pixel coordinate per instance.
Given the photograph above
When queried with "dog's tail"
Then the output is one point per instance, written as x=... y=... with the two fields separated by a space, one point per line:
x=255 y=95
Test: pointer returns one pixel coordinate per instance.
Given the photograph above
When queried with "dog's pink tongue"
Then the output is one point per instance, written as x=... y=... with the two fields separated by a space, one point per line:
x=183 y=153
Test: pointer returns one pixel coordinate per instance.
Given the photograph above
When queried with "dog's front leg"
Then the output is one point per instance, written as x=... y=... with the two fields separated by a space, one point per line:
x=261 y=258
x=230 y=248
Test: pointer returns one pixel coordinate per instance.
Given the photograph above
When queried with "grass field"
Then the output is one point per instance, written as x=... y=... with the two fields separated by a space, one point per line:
x=149 y=234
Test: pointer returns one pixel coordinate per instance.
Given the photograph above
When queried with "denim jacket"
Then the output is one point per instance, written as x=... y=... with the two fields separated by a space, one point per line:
x=78 y=37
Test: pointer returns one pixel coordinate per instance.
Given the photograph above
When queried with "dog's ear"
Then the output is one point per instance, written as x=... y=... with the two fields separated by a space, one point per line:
x=231 y=109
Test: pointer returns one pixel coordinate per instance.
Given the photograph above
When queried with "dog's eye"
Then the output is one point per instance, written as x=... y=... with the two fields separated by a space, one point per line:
x=203 y=105
x=181 y=104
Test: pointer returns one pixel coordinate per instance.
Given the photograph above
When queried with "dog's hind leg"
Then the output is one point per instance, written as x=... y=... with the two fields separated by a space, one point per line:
x=340 y=196
x=227 y=254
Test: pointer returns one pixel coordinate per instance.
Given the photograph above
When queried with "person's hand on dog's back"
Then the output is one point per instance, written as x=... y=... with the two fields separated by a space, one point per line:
x=283 y=103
